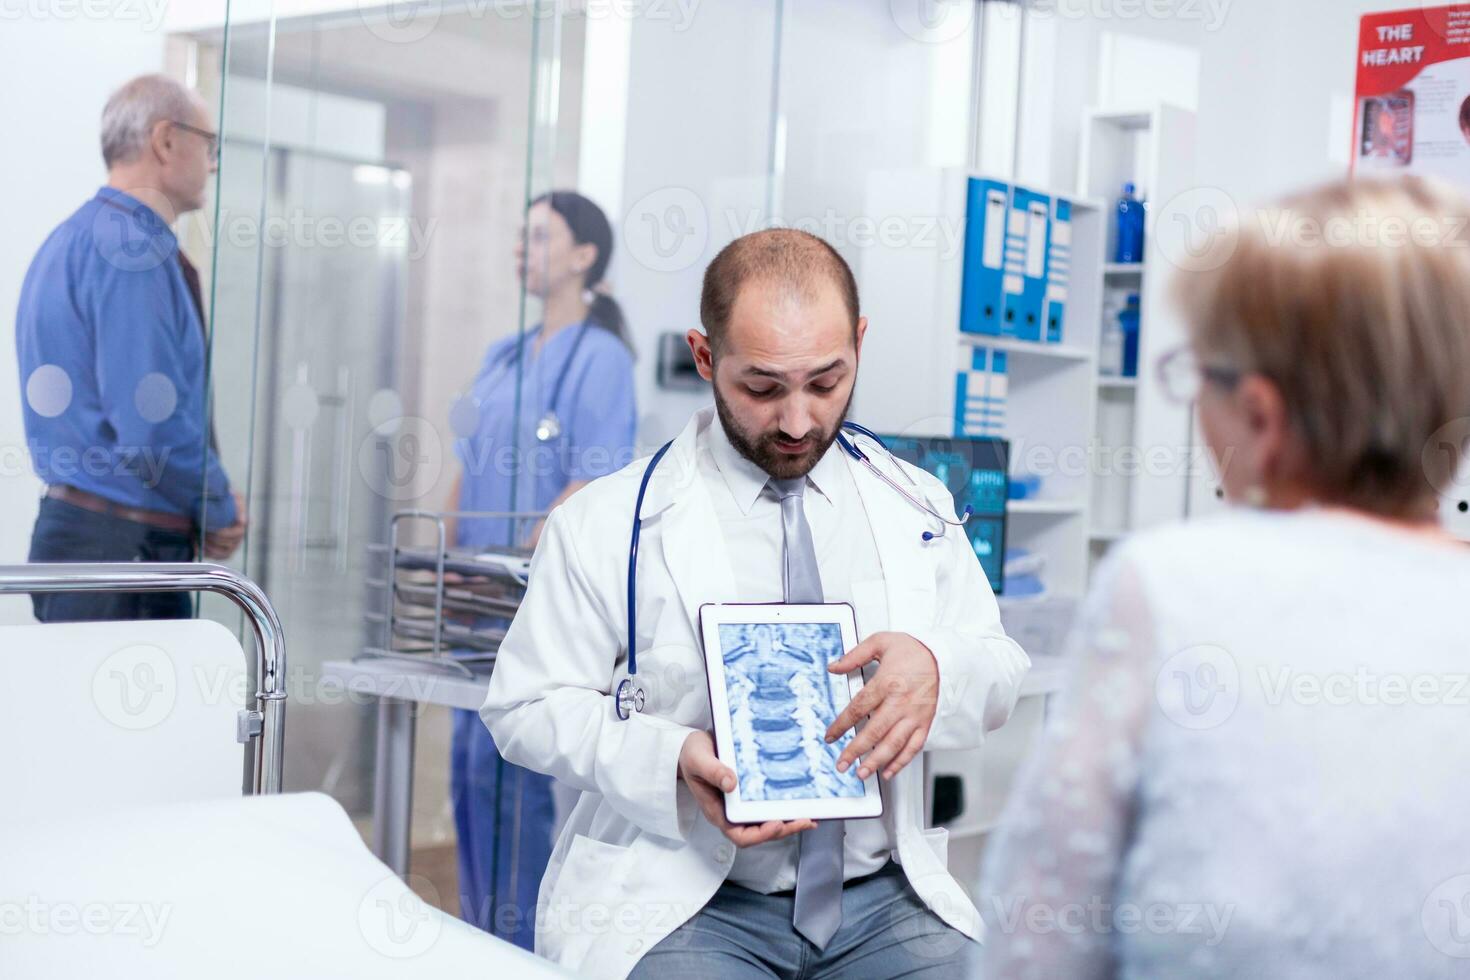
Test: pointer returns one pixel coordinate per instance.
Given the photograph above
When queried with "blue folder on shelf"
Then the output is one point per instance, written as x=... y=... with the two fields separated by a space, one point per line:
x=980 y=393
x=986 y=206
x=1058 y=270
x=1025 y=264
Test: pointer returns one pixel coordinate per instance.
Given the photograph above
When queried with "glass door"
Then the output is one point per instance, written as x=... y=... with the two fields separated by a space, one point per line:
x=375 y=171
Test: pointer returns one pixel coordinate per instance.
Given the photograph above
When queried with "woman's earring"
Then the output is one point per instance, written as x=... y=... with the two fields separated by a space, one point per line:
x=589 y=296
x=1255 y=496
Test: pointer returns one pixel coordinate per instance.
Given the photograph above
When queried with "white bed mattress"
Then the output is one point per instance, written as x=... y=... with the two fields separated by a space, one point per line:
x=274 y=887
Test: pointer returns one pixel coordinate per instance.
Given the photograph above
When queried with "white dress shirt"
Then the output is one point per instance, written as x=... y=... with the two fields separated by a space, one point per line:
x=750 y=517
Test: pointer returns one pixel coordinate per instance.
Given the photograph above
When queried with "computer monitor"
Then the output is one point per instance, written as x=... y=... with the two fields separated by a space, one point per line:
x=976 y=472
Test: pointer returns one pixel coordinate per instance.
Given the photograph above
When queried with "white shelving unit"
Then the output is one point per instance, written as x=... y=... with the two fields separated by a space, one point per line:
x=913 y=347
x=1149 y=464
x=1114 y=454
x=1027 y=348
x=1045 y=508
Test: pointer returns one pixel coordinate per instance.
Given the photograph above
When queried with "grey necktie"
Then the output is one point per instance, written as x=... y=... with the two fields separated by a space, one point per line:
x=819 y=863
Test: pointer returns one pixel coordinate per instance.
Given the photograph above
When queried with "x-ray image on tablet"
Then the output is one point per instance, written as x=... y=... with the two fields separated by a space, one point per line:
x=781 y=699
x=773 y=699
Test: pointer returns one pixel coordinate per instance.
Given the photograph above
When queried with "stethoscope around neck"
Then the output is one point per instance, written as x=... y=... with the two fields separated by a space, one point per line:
x=630 y=696
x=548 y=427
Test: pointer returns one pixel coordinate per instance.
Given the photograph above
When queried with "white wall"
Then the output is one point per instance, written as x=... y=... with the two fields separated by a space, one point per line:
x=1275 y=81
x=1274 y=78
x=858 y=94
x=52 y=165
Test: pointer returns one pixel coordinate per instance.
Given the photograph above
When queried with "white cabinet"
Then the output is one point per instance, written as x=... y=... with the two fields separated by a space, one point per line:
x=911 y=296
x=1150 y=465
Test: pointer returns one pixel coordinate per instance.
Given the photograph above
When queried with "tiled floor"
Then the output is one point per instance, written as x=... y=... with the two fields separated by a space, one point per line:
x=434 y=875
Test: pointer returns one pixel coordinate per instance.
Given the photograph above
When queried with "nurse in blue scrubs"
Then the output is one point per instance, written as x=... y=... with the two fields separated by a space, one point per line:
x=577 y=421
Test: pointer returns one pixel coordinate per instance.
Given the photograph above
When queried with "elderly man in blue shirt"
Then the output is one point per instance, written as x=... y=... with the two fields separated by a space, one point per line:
x=111 y=346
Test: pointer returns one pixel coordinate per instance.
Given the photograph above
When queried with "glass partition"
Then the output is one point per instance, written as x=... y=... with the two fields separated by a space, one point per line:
x=362 y=257
x=875 y=95
x=867 y=89
x=686 y=156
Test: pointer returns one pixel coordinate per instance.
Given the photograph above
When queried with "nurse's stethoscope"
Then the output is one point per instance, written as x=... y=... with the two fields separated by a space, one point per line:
x=630 y=695
x=549 y=427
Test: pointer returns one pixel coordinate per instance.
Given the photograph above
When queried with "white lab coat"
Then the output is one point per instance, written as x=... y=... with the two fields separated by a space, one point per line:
x=637 y=858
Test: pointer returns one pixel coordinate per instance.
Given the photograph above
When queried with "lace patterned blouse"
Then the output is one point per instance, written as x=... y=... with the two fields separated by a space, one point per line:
x=1260 y=766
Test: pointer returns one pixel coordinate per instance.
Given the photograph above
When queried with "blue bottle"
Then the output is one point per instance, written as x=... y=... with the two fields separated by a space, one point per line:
x=1130 y=227
x=1129 y=320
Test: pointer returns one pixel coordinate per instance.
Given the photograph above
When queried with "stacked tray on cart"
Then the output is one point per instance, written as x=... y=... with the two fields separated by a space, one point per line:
x=455 y=605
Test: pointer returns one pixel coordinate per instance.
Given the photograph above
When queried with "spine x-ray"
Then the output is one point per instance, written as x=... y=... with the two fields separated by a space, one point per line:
x=782 y=699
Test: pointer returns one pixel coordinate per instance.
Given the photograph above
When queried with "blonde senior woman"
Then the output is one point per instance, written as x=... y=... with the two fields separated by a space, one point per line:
x=1260 y=768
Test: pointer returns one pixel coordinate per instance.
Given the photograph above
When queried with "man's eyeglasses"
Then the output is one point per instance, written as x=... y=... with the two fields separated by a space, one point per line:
x=211 y=139
x=1181 y=375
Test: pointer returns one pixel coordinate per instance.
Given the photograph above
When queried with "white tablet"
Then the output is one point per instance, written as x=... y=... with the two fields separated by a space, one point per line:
x=772 y=699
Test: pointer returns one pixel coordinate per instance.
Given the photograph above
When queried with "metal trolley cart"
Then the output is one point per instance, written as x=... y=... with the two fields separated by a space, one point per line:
x=444 y=607
x=443 y=615
x=261 y=723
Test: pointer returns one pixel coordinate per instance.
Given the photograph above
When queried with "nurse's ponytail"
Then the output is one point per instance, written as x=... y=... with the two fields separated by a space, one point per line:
x=590 y=226
x=606 y=312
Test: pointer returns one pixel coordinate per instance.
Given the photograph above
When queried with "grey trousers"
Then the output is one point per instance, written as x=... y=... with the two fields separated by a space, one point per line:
x=886 y=932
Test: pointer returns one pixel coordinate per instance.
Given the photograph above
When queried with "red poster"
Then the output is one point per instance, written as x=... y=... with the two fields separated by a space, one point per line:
x=1414 y=93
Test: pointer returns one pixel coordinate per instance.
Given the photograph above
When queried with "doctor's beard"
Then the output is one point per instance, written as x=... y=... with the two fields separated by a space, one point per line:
x=761 y=449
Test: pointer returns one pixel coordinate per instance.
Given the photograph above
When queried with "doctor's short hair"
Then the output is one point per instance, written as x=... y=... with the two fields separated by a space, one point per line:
x=1360 y=315
x=133 y=110
x=786 y=257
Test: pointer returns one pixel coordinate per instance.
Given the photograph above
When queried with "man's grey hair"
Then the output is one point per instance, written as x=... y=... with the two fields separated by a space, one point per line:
x=132 y=112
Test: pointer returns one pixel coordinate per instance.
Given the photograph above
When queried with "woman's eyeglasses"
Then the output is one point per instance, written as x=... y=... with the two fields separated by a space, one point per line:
x=1181 y=375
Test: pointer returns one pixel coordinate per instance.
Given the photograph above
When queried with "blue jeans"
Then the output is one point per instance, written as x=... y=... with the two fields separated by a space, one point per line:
x=503 y=816
x=886 y=931
x=65 y=532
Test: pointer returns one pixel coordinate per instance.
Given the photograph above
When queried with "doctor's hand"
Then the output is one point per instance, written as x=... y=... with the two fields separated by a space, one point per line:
x=708 y=779
x=900 y=700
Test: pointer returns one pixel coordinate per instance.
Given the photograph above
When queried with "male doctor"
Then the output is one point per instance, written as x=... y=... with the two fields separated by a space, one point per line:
x=754 y=502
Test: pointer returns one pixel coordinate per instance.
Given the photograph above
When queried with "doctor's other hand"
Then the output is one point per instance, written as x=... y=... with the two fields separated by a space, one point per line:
x=899 y=699
x=709 y=779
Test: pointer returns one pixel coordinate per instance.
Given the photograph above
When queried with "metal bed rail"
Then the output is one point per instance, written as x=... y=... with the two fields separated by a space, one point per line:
x=261 y=726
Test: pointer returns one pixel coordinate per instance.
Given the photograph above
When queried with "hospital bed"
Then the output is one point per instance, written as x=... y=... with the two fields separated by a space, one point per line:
x=126 y=846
